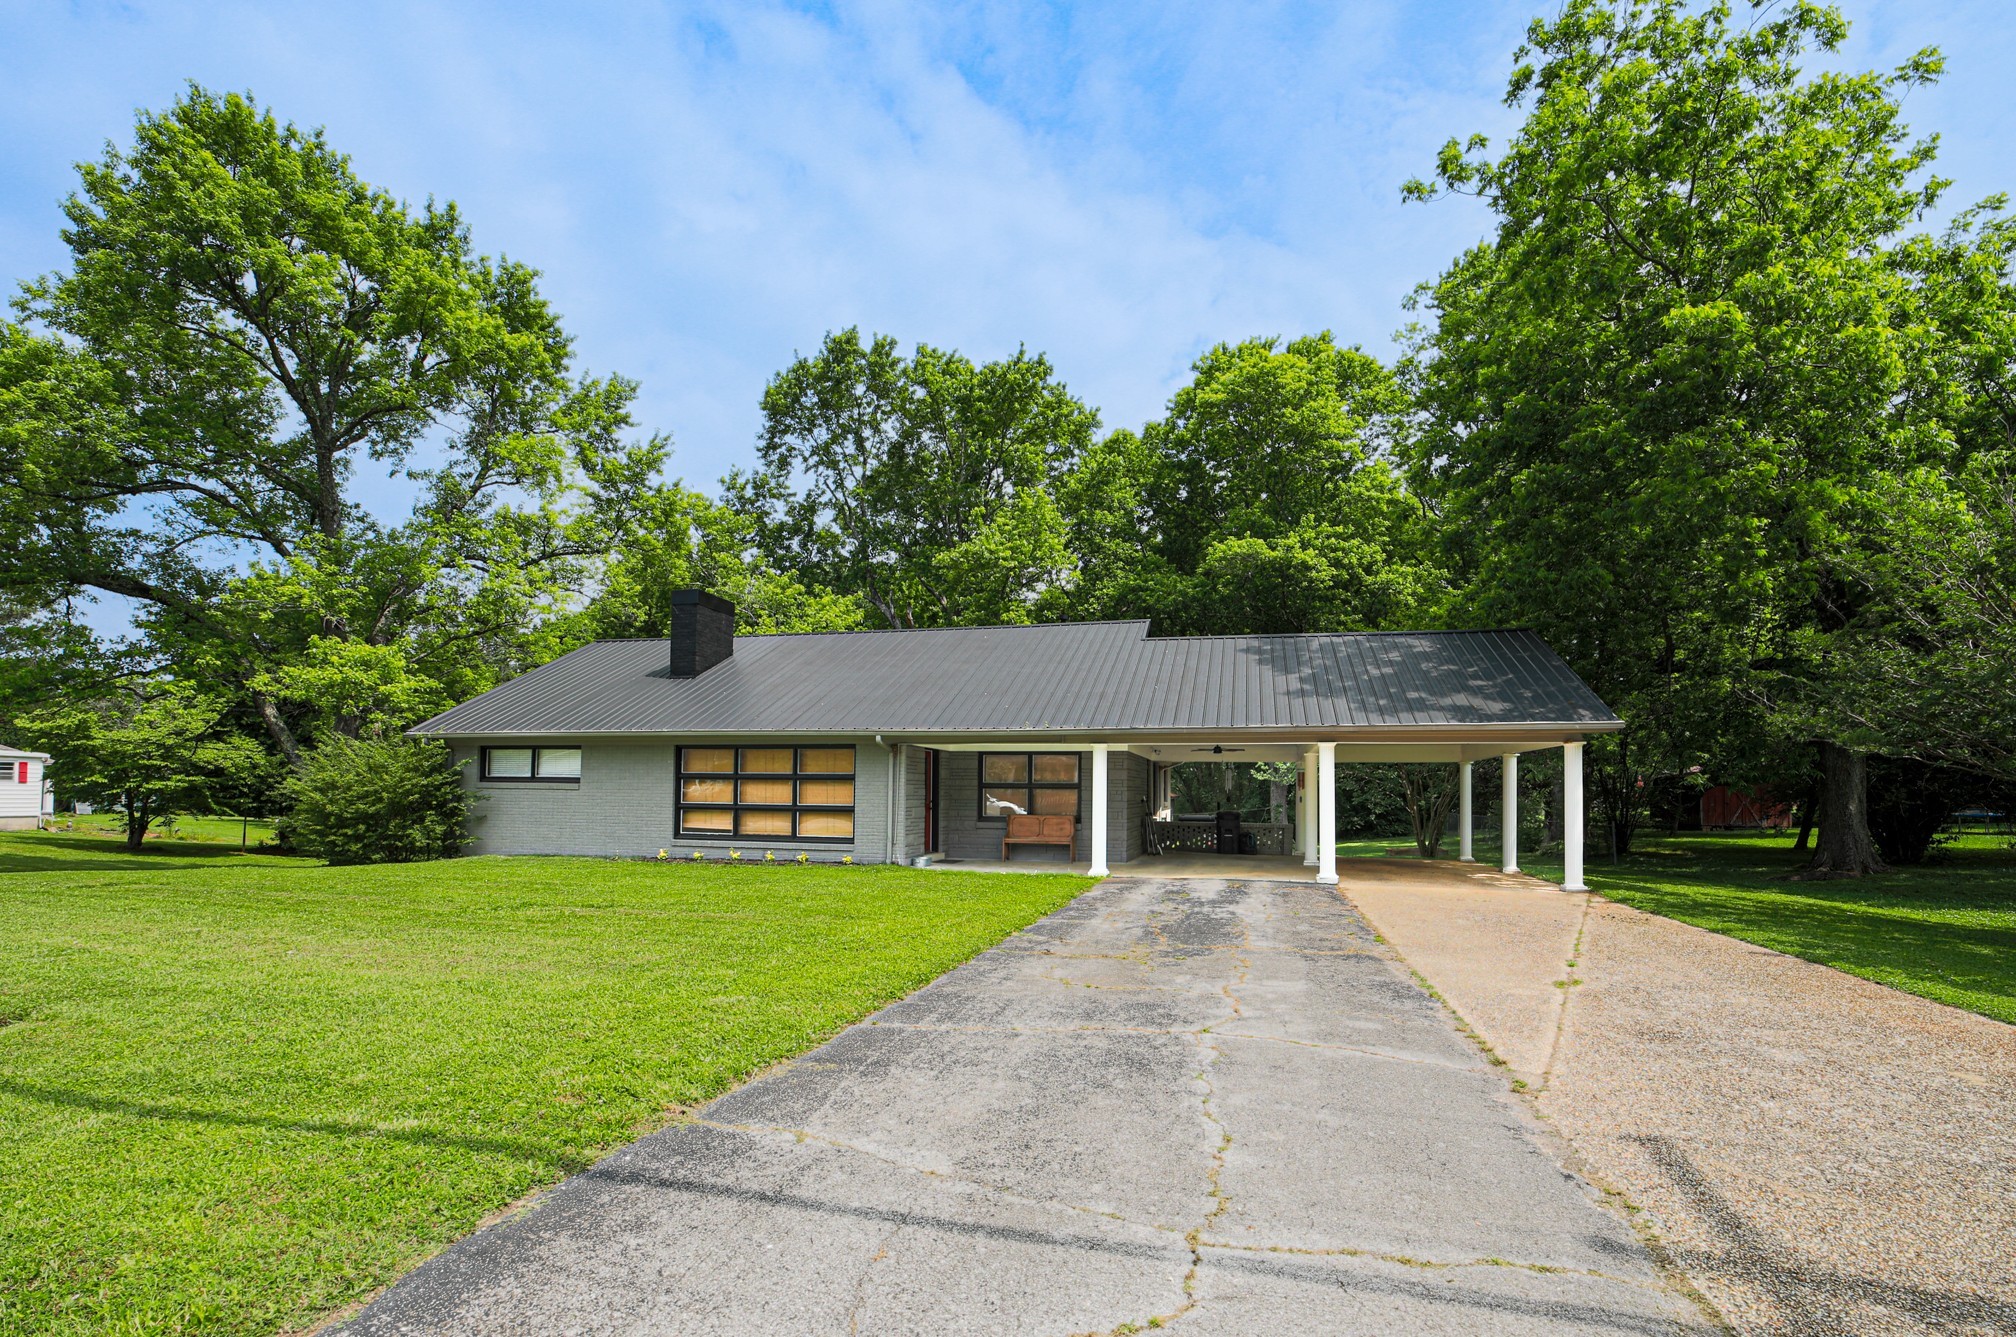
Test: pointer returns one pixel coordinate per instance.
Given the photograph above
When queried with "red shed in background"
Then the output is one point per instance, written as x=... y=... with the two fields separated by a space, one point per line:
x=1725 y=808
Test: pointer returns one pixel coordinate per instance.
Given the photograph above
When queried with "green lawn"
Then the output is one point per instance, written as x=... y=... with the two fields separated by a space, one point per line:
x=237 y=1093
x=218 y=830
x=1946 y=930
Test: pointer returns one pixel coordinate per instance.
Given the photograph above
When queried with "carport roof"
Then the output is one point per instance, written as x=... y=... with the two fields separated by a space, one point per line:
x=1079 y=677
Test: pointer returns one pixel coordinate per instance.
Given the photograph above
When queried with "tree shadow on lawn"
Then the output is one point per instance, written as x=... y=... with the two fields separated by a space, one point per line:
x=516 y=1148
x=70 y=853
x=1896 y=930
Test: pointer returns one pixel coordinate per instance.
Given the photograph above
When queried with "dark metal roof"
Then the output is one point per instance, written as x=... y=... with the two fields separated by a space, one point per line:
x=1066 y=676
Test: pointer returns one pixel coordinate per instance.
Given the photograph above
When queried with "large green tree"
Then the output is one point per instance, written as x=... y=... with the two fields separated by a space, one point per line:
x=244 y=329
x=687 y=541
x=1649 y=397
x=1929 y=664
x=1266 y=501
x=921 y=485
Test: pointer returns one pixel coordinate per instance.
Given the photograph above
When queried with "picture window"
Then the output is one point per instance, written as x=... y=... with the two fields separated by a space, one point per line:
x=777 y=793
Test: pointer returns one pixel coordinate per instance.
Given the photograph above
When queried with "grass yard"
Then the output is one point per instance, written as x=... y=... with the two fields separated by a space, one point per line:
x=217 y=830
x=1945 y=931
x=237 y=1093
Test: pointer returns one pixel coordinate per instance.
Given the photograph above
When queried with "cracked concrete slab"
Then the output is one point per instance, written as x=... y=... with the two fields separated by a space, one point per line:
x=1243 y=1294
x=1218 y=1105
x=1407 y=1159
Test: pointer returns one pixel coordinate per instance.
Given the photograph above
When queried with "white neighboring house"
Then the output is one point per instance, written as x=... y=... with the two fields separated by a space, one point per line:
x=25 y=795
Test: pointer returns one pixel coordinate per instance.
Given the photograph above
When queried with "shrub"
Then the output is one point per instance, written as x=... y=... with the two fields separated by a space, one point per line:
x=370 y=800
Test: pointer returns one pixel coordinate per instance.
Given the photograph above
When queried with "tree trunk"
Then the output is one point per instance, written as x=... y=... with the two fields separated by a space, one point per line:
x=137 y=820
x=1808 y=807
x=283 y=737
x=1616 y=792
x=1428 y=809
x=1844 y=848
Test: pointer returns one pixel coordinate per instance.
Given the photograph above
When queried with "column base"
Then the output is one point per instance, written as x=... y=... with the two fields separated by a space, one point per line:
x=1327 y=879
x=1574 y=886
x=1466 y=858
x=1509 y=868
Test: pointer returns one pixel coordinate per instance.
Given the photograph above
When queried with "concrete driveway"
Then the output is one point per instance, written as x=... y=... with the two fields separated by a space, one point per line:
x=1220 y=1106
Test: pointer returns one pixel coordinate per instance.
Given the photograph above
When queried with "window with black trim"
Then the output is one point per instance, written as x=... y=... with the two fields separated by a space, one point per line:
x=771 y=792
x=533 y=765
x=1019 y=782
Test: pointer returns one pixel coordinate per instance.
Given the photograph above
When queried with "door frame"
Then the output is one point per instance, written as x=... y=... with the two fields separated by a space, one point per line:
x=931 y=804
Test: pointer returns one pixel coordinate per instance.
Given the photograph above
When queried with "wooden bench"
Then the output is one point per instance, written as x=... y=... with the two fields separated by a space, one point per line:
x=1028 y=828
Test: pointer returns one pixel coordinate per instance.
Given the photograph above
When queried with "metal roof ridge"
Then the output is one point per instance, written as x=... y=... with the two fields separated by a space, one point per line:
x=1312 y=635
x=905 y=631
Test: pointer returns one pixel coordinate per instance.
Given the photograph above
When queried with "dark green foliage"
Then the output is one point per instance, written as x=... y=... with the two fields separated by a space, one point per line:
x=1912 y=802
x=1258 y=792
x=1431 y=794
x=1648 y=402
x=373 y=800
x=1264 y=502
x=1371 y=801
x=921 y=485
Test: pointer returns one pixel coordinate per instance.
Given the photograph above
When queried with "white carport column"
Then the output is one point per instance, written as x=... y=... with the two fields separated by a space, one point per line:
x=1466 y=821
x=1326 y=812
x=1571 y=818
x=1099 y=868
x=1308 y=810
x=1508 y=812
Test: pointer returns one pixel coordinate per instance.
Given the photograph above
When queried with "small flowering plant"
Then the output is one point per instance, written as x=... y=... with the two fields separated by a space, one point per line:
x=698 y=855
x=734 y=856
x=846 y=858
x=803 y=857
x=663 y=855
x=769 y=856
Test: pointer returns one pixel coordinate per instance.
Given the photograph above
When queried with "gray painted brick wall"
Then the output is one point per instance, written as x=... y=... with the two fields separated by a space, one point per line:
x=911 y=794
x=623 y=807
x=965 y=835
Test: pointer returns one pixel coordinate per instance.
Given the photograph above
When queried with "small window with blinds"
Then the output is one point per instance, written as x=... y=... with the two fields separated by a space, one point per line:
x=533 y=765
x=766 y=793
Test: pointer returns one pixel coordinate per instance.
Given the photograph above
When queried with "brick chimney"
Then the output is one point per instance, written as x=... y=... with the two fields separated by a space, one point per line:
x=703 y=632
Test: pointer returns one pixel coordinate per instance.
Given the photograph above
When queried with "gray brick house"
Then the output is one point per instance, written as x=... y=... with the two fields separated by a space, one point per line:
x=913 y=745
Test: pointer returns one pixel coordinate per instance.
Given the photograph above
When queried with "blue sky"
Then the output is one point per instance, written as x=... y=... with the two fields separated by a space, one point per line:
x=710 y=188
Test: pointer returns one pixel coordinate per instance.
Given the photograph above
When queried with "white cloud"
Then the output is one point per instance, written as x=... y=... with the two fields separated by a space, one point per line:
x=711 y=187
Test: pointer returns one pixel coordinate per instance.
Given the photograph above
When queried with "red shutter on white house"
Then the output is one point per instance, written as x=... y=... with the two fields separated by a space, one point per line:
x=21 y=772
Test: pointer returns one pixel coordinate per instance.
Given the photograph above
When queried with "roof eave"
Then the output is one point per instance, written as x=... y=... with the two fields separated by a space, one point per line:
x=1550 y=730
